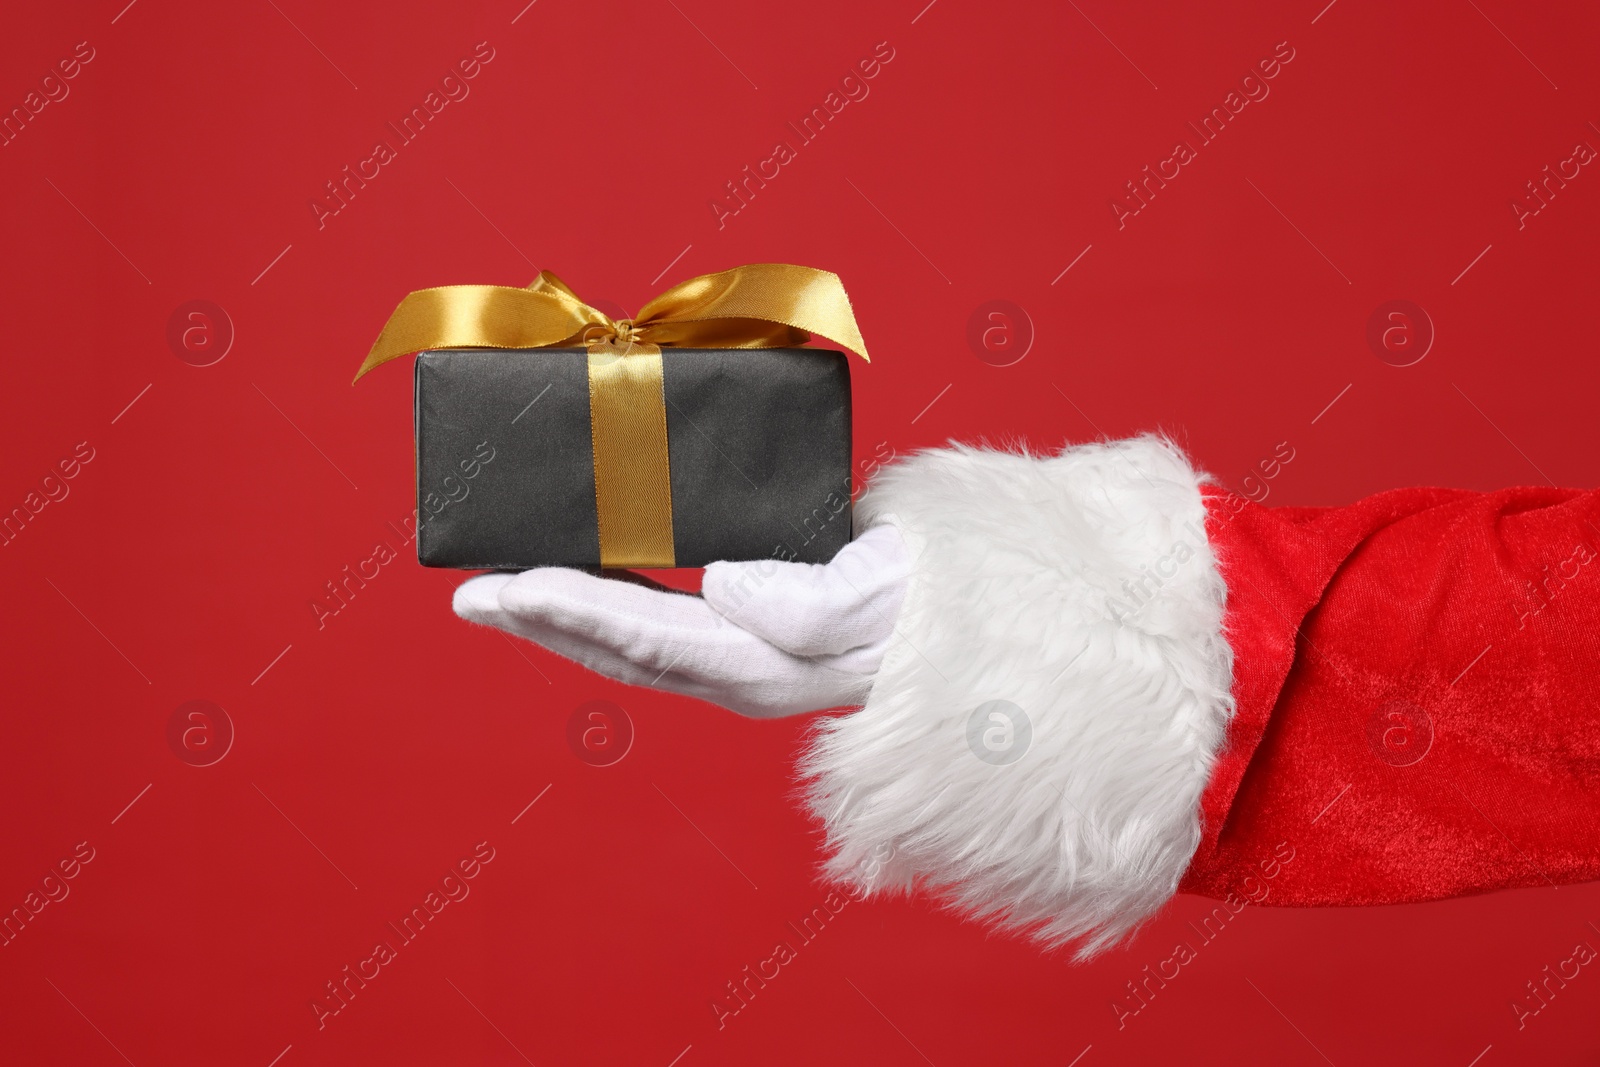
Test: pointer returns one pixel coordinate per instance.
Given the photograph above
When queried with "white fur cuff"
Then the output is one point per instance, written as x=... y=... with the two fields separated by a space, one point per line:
x=1036 y=744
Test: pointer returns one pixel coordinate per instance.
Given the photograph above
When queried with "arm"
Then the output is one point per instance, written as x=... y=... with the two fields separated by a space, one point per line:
x=1431 y=727
x=1088 y=680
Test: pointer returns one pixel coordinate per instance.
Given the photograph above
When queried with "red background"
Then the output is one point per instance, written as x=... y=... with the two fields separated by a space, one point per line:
x=371 y=755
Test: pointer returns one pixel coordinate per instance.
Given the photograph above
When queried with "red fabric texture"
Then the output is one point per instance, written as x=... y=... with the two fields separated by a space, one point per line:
x=1418 y=697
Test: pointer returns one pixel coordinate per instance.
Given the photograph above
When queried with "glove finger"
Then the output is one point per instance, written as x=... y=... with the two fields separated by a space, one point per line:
x=478 y=599
x=772 y=685
x=816 y=609
x=665 y=640
x=764 y=682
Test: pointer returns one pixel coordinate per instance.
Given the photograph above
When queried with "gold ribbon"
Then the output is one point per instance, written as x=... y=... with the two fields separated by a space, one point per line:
x=760 y=305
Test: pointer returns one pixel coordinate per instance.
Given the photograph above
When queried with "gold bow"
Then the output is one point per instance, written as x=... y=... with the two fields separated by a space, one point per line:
x=760 y=305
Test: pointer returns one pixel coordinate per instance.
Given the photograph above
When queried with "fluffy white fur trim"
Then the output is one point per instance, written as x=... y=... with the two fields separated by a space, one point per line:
x=1080 y=588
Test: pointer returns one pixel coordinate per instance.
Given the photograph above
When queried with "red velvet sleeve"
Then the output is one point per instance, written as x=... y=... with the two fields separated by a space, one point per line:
x=1418 y=699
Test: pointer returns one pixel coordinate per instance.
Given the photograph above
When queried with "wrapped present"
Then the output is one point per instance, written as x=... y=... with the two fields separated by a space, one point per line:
x=550 y=434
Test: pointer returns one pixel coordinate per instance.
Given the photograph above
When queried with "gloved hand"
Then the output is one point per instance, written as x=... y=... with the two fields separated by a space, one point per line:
x=764 y=638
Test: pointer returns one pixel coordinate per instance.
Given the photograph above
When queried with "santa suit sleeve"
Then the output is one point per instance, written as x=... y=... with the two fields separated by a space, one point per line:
x=1112 y=682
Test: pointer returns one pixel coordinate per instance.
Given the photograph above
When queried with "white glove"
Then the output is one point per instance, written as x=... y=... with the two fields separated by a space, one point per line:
x=764 y=638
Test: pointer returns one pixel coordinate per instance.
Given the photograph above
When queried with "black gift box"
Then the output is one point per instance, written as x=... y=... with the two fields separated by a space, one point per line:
x=758 y=445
